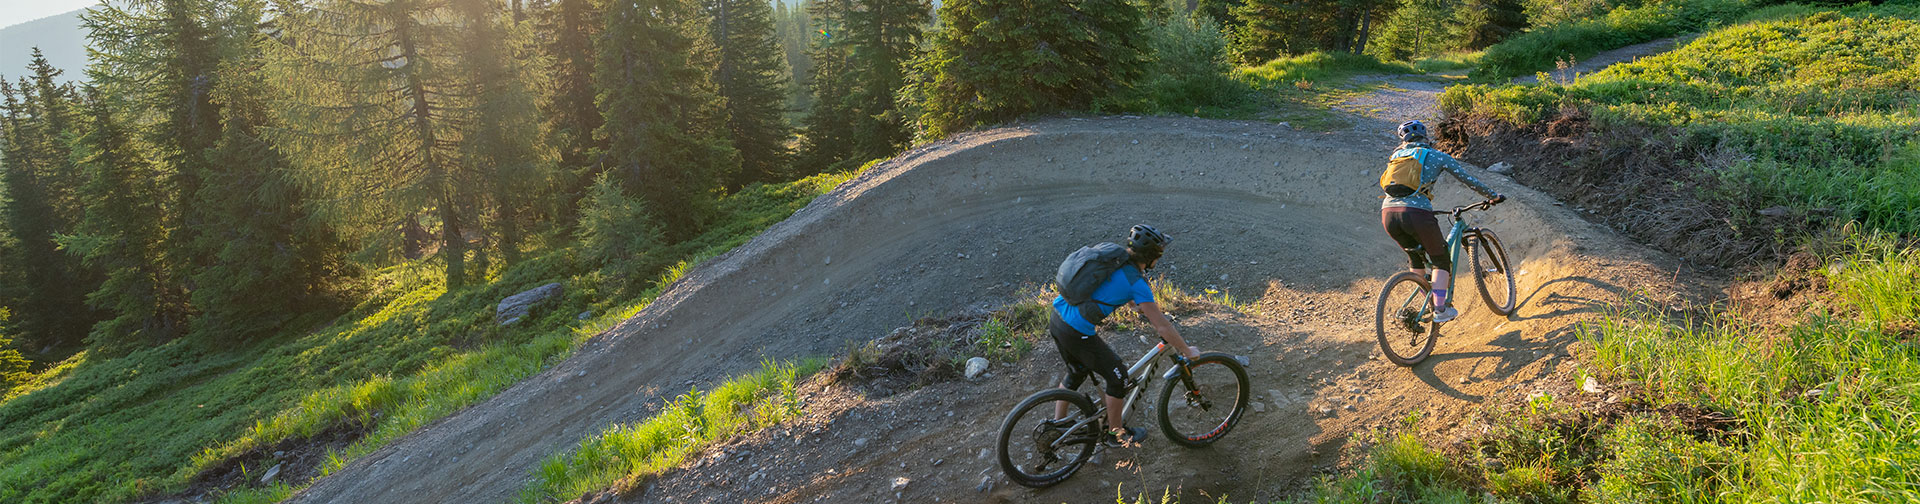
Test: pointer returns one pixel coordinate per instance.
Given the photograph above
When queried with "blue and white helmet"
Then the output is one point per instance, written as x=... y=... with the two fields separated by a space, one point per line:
x=1412 y=129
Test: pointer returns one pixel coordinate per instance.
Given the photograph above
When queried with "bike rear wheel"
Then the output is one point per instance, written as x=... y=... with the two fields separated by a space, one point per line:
x=1195 y=411
x=1037 y=455
x=1492 y=271
x=1403 y=319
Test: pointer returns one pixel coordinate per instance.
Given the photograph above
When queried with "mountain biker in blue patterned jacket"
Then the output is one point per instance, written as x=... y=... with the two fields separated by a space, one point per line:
x=1085 y=353
x=1410 y=222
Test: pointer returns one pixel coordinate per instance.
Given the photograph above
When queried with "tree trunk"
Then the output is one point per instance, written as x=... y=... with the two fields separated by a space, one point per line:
x=454 y=246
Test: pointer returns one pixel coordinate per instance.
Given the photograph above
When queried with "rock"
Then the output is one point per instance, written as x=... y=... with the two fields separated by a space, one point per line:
x=518 y=306
x=1502 y=168
x=1778 y=211
x=1259 y=407
x=986 y=484
x=275 y=471
x=983 y=454
x=900 y=483
x=1591 y=386
x=976 y=366
x=584 y=315
x=860 y=443
x=279 y=454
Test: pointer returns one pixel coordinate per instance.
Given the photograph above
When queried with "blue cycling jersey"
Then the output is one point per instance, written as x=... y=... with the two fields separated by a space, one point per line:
x=1126 y=285
x=1431 y=166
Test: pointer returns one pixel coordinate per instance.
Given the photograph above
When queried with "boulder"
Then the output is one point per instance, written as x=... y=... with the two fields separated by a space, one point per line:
x=976 y=366
x=518 y=306
x=1502 y=168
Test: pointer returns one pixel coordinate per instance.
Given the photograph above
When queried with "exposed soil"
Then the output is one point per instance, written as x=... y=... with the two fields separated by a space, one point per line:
x=291 y=461
x=1651 y=184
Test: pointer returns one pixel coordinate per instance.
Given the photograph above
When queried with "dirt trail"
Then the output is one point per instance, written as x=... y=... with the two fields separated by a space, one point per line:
x=1286 y=215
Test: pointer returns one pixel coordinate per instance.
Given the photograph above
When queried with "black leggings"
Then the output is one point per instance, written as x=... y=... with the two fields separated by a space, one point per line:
x=1414 y=227
x=1087 y=355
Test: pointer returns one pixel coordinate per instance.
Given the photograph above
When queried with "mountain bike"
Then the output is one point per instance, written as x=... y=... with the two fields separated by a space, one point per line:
x=1038 y=450
x=1405 y=310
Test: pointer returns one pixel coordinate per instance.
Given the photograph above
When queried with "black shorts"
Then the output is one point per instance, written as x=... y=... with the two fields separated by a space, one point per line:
x=1087 y=355
x=1413 y=227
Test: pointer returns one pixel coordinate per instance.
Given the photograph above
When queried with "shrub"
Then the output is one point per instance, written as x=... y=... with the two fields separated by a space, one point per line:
x=618 y=233
x=1186 y=71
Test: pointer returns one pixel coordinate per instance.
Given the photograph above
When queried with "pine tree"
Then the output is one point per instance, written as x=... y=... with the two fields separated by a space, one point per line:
x=273 y=254
x=374 y=110
x=171 y=49
x=660 y=108
x=500 y=142
x=748 y=74
x=1001 y=59
x=52 y=104
x=123 y=234
x=567 y=29
x=1415 y=29
x=795 y=27
x=829 y=126
x=47 y=287
x=860 y=65
x=1477 y=24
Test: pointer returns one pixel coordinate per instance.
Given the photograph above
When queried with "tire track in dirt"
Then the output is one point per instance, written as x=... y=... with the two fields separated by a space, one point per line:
x=1287 y=216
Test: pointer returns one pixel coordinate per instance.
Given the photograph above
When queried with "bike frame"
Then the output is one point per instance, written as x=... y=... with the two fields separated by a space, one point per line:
x=1141 y=374
x=1456 y=236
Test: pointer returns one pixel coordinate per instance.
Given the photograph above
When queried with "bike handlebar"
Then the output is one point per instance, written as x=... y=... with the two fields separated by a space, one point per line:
x=1476 y=206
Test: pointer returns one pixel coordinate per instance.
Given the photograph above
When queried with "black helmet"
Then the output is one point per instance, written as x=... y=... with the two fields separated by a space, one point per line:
x=1412 y=129
x=1146 y=242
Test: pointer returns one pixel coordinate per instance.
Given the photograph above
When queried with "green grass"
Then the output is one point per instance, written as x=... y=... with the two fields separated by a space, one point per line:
x=690 y=422
x=1803 y=109
x=1541 y=48
x=1011 y=332
x=1830 y=406
x=112 y=430
x=1825 y=409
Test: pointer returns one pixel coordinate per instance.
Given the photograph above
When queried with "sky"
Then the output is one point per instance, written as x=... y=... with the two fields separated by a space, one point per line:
x=13 y=12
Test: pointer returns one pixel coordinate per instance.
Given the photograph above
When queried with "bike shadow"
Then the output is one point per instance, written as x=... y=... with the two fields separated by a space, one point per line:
x=1559 y=304
x=1510 y=355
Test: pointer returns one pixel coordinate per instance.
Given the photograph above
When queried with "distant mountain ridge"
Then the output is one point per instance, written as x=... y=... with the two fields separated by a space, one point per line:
x=61 y=38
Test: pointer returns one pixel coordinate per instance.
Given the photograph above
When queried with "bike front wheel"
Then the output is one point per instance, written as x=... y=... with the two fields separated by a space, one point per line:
x=1492 y=271
x=1403 y=319
x=1038 y=450
x=1199 y=409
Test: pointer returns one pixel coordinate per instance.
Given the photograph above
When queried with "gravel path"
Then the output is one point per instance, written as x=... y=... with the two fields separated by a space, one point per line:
x=1407 y=97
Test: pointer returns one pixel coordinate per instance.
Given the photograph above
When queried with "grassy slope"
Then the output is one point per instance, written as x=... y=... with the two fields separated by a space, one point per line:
x=1821 y=410
x=1818 y=107
x=1541 y=48
x=106 y=430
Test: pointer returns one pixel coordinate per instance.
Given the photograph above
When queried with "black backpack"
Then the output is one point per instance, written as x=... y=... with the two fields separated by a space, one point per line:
x=1083 y=272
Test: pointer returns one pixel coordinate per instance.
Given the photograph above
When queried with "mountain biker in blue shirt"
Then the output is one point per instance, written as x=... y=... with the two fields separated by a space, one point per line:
x=1410 y=221
x=1085 y=353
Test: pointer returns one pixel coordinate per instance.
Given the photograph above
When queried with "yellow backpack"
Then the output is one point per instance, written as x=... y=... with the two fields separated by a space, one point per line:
x=1402 y=177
